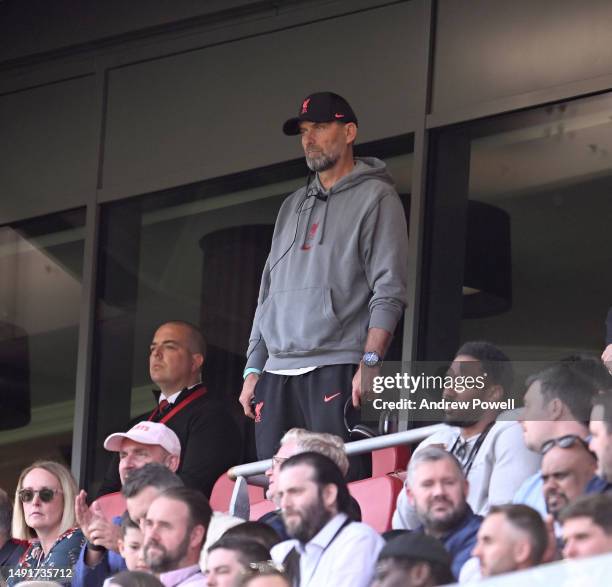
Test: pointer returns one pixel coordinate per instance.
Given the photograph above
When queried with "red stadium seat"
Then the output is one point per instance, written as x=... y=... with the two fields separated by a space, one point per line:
x=222 y=494
x=261 y=508
x=112 y=504
x=376 y=497
x=389 y=460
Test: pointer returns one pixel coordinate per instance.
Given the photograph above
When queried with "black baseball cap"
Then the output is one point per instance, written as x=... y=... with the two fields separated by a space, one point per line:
x=320 y=107
x=416 y=546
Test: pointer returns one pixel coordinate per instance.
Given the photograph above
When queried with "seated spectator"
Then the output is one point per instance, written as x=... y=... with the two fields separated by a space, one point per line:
x=229 y=558
x=200 y=419
x=10 y=548
x=557 y=403
x=587 y=526
x=601 y=435
x=489 y=445
x=43 y=514
x=568 y=467
x=146 y=442
x=511 y=538
x=295 y=441
x=413 y=560
x=134 y=579
x=174 y=529
x=131 y=546
x=327 y=546
x=437 y=490
x=144 y=485
x=255 y=532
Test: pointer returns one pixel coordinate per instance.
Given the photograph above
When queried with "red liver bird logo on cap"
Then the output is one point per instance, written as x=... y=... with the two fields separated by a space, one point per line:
x=305 y=106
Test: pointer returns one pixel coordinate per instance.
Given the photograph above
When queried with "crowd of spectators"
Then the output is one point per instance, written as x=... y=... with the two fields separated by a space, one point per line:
x=484 y=496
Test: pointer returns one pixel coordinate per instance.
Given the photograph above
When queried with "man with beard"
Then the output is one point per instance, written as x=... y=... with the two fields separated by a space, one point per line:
x=334 y=285
x=328 y=548
x=295 y=441
x=511 y=538
x=437 y=489
x=174 y=530
x=488 y=445
x=568 y=466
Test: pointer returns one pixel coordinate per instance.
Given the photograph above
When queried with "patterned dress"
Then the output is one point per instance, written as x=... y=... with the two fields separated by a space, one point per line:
x=57 y=565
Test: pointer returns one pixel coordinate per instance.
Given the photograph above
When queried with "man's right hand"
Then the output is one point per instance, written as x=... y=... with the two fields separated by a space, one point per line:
x=247 y=394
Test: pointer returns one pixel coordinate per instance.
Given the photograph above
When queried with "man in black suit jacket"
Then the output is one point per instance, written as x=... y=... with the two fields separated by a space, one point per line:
x=210 y=439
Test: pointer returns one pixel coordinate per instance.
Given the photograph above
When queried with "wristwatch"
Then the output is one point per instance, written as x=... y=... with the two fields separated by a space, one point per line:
x=371 y=359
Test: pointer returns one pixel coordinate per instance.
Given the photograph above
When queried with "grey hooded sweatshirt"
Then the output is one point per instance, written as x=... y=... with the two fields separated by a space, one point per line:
x=337 y=266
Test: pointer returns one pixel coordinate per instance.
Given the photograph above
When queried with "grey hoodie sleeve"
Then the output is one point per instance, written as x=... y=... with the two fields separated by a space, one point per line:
x=384 y=244
x=257 y=353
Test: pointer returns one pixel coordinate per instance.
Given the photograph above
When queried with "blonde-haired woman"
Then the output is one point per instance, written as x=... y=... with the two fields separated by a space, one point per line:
x=43 y=514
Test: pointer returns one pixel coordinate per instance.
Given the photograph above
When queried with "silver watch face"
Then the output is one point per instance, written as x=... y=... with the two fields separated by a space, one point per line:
x=371 y=359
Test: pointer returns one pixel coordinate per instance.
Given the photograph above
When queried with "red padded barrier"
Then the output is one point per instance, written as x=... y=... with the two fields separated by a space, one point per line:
x=261 y=508
x=222 y=494
x=377 y=497
x=389 y=460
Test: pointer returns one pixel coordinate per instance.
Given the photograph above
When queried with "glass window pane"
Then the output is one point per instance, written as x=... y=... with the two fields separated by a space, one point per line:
x=526 y=197
x=40 y=294
x=549 y=172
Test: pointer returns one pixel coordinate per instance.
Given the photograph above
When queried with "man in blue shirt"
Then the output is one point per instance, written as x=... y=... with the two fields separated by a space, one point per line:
x=437 y=489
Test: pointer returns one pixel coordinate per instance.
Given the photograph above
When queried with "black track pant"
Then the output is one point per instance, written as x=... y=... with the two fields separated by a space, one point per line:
x=314 y=401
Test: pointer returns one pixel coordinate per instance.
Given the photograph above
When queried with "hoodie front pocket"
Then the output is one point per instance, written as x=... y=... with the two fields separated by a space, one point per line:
x=299 y=321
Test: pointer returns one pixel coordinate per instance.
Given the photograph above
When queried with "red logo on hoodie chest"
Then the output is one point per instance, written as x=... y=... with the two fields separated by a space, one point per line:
x=310 y=237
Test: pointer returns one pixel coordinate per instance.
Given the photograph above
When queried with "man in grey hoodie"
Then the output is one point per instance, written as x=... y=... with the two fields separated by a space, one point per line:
x=333 y=287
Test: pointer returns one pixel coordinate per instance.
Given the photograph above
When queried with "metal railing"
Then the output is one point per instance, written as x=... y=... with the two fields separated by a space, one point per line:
x=239 y=504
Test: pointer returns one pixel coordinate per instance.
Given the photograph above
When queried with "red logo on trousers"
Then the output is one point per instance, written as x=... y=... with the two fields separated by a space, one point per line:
x=258 y=409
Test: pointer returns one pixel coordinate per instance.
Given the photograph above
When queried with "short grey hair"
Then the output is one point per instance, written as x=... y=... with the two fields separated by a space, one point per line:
x=329 y=445
x=151 y=475
x=431 y=454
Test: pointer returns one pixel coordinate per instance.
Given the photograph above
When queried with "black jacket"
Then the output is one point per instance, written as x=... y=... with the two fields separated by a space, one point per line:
x=210 y=442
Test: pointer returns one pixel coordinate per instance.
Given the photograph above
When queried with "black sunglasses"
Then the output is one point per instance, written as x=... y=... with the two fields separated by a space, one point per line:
x=46 y=494
x=566 y=441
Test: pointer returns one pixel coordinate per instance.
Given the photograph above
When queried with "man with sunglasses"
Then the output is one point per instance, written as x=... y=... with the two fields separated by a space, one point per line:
x=488 y=445
x=557 y=404
x=568 y=471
